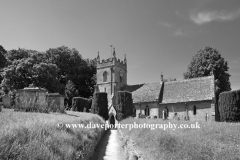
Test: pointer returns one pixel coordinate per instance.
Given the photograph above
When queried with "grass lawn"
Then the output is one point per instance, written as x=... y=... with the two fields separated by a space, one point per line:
x=213 y=140
x=36 y=136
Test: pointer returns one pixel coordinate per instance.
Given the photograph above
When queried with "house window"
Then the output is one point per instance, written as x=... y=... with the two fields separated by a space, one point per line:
x=105 y=76
x=147 y=111
x=194 y=110
x=105 y=89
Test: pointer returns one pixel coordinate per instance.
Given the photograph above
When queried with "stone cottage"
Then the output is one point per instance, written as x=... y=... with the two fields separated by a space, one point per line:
x=192 y=97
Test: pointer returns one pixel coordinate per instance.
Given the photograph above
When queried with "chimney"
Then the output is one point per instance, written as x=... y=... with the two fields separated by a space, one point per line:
x=161 y=77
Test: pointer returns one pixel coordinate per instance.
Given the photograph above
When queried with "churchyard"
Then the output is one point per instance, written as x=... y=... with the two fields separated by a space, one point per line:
x=213 y=140
x=41 y=136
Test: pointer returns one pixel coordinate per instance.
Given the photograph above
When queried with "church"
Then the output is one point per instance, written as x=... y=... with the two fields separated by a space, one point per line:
x=194 y=98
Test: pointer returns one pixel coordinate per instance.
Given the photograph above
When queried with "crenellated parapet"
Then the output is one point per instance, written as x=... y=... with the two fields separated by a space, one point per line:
x=121 y=64
x=110 y=62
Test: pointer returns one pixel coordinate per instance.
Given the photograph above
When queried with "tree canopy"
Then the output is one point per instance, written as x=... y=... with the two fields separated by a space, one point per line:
x=52 y=70
x=209 y=61
x=2 y=57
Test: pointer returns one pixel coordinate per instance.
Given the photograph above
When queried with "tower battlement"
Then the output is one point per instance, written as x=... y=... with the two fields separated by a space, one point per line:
x=112 y=62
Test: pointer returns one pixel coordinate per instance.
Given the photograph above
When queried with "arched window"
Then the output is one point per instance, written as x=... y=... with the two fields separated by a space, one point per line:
x=120 y=79
x=134 y=112
x=105 y=76
x=120 y=76
x=194 y=110
x=147 y=111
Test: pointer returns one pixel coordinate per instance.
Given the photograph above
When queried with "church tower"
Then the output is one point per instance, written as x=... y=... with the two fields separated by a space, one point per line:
x=111 y=75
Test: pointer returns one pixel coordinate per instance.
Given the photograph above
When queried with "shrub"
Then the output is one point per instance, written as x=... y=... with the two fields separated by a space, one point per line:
x=79 y=103
x=125 y=104
x=100 y=104
x=229 y=106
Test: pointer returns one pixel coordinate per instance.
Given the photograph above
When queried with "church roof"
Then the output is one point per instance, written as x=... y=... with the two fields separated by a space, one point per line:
x=196 y=89
x=131 y=88
x=148 y=92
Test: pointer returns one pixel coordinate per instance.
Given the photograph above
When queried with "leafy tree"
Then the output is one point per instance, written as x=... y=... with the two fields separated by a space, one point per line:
x=73 y=67
x=3 y=61
x=70 y=92
x=24 y=72
x=207 y=61
x=45 y=76
x=51 y=70
x=19 y=54
x=2 y=57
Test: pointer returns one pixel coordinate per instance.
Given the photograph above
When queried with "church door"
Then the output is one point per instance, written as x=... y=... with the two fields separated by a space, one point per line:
x=112 y=120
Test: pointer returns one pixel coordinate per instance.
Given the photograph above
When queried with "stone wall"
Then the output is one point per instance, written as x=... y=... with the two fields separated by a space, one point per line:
x=203 y=107
x=153 y=108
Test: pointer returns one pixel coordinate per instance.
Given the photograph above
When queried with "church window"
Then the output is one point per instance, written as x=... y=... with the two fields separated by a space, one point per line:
x=134 y=112
x=105 y=76
x=194 y=110
x=147 y=111
x=121 y=76
x=120 y=79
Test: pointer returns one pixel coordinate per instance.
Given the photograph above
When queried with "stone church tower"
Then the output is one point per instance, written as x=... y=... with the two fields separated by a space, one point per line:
x=111 y=76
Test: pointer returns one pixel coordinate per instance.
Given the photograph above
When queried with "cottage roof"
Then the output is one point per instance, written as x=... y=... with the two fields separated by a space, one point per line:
x=196 y=89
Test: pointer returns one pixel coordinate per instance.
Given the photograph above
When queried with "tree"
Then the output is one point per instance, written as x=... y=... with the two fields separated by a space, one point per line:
x=2 y=57
x=70 y=92
x=24 y=72
x=73 y=67
x=207 y=61
x=3 y=60
x=45 y=75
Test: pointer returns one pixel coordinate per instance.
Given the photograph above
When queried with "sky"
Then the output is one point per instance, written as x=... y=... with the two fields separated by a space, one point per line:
x=156 y=35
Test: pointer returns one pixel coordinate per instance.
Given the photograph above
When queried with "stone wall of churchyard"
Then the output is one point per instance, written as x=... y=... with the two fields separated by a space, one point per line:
x=202 y=108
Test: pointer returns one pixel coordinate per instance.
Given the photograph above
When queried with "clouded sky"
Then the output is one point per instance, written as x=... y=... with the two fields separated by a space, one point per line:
x=156 y=35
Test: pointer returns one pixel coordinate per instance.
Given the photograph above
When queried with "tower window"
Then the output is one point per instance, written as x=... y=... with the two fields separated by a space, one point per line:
x=105 y=76
x=121 y=76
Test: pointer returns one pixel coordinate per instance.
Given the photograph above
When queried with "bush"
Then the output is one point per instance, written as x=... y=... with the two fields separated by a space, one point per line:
x=100 y=104
x=125 y=104
x=229 y=106
x=79 y=103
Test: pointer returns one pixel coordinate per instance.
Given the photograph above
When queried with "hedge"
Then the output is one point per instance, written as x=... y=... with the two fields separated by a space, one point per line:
x=79 y=103
x=229 y=106
x=100 y=104
x=125 y=105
